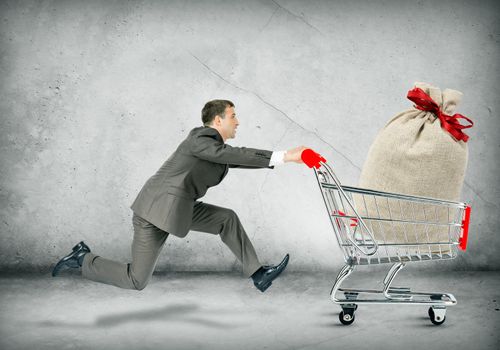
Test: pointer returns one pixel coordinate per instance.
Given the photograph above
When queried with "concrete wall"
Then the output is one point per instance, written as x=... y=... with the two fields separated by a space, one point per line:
x=94 y=96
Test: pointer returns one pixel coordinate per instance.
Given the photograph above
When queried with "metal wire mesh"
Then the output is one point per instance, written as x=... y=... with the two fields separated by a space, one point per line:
x=397 y=227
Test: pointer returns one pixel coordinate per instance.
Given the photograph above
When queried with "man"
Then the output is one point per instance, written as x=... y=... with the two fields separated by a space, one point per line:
x=168 y=204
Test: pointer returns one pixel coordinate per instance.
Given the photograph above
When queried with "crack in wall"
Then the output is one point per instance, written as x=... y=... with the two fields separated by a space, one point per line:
x=215 y=73
x=478 y=195
x=270 y=18
x=284 y=134
x=276 y=109
x=301 y=18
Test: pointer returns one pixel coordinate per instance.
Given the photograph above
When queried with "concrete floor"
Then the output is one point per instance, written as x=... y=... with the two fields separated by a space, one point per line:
x=224 y=311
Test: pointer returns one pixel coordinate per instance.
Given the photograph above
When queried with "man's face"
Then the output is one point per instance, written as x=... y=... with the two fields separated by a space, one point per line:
x=229 y=123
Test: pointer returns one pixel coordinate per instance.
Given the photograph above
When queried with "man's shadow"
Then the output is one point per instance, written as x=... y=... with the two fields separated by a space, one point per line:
x=168 y=313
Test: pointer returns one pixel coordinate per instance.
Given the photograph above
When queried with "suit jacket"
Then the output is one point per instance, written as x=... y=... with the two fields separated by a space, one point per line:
x=201 y=161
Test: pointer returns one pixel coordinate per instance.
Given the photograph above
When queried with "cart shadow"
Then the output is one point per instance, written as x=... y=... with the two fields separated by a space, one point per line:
x=336 y=324
x=187 y=313
x=333 y=321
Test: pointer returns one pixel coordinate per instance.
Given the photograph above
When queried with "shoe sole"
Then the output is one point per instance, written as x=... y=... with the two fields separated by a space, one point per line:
x=60 y=265
x=57 y=268
x=264 y=287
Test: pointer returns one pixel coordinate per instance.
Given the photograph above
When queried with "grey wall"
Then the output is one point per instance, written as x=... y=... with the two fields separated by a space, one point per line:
x=94 y=96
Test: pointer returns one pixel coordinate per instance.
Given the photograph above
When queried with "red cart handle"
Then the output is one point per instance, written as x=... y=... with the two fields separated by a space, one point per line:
x=462 y=242
x=311 y=158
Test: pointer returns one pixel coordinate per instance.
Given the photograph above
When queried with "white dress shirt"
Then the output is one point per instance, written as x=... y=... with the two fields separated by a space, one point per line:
x=277 y=158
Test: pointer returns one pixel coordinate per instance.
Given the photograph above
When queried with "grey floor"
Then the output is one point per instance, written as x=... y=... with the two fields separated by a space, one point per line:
x=224 y=311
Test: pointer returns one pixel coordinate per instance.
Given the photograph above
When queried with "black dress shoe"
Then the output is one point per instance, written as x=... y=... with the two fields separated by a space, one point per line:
x=263 y=277
x=73 y=259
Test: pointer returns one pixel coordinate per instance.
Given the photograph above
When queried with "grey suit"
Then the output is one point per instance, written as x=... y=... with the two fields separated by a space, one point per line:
x=167 y=204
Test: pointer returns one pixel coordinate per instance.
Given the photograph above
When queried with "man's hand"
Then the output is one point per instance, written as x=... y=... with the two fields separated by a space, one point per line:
x=294 y=155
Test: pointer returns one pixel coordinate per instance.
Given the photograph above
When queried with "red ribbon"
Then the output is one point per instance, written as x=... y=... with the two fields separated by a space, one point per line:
x=448 y=122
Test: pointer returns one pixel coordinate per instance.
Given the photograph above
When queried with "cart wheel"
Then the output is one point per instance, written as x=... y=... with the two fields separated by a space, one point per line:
x=346 y=318
x=437 y=320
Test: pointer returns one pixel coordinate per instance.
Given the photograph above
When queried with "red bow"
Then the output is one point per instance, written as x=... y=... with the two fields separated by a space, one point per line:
x=448 y=122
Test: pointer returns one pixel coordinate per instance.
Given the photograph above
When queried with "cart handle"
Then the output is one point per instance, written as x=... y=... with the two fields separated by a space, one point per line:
x=462 y=241
x=313 y=159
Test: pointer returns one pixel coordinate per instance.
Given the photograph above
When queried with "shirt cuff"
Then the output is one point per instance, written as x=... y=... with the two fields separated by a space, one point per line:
x=277 y=158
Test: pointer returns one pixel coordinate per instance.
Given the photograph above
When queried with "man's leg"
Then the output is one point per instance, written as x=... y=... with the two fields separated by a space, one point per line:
x=146 y=247
x=224 y=222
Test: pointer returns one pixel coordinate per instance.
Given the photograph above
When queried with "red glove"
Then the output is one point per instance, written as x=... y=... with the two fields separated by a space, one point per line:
x=311 y=158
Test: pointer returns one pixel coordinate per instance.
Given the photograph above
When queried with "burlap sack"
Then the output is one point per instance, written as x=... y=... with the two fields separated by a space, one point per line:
x=413 y=154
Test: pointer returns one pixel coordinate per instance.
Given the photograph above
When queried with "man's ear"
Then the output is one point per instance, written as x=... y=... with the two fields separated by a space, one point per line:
x=217 y=120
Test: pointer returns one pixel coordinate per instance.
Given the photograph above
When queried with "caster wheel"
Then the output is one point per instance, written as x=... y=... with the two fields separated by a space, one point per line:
x=346 y=318
x=437 y=320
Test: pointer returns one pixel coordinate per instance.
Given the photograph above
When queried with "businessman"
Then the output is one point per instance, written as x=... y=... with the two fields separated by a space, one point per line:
x=168 y=204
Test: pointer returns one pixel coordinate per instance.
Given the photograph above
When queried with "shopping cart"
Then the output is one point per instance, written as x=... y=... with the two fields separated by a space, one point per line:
x=374 y=227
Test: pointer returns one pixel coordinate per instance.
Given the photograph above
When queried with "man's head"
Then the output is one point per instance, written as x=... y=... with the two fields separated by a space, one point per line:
x=220 y=115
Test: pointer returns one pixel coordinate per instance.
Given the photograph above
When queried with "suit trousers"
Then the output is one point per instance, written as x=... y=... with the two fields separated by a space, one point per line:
x=149 y=240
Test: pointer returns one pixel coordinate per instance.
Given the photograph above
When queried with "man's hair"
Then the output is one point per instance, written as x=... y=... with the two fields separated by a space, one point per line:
x=213 y=108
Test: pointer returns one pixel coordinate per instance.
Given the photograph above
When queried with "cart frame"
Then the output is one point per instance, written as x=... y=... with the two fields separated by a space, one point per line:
x=367 y=249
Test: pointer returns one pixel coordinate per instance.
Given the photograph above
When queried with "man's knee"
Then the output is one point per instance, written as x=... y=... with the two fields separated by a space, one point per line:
x=141 y=286
x=230 y=225
x=140 y=282
x=230 y=215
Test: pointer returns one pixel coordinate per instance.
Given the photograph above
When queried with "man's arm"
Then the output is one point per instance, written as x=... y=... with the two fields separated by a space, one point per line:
x=206 y=146
x=235 y=166
x=278 y=157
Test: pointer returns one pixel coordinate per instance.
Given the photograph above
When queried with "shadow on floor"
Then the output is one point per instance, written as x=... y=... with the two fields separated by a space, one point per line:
x=169 y=313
